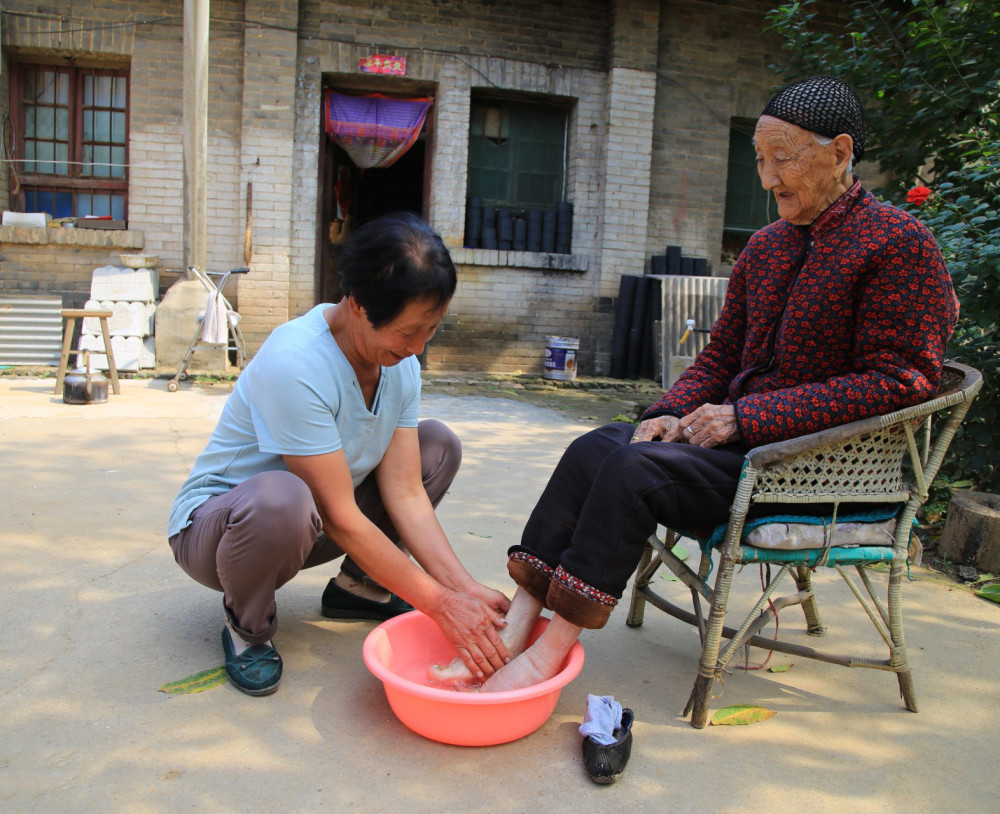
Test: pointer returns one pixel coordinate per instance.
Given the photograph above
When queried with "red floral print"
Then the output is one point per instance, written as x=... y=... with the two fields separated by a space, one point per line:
x=861 y=330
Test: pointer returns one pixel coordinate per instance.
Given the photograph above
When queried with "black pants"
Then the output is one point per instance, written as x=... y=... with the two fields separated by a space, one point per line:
x=606 y=496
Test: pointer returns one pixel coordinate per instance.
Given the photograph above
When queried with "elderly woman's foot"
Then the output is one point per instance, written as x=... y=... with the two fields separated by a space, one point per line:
x=521 y=617
x=540 y=662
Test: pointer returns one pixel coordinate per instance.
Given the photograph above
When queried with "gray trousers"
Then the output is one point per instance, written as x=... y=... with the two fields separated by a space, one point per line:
x=253 y=539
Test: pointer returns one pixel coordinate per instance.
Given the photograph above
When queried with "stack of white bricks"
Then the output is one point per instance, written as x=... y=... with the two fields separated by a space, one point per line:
x=130 y=295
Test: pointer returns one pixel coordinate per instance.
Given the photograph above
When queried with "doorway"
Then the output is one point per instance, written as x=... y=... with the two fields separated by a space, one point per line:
x=351 y=196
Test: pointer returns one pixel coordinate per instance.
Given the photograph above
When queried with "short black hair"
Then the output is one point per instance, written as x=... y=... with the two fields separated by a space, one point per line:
x=389 y=261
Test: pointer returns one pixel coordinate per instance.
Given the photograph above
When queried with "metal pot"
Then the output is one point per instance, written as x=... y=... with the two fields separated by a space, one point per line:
x=85 y=388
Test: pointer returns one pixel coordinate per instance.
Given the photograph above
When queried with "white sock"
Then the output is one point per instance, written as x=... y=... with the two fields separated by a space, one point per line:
x=239 y=643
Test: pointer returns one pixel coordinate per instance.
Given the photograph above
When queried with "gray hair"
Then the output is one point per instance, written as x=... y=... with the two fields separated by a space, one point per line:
x=825 y=141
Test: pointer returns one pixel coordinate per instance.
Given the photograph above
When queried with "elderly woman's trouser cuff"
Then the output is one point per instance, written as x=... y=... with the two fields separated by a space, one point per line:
x=530 y=573
x=577 y=602
x=559 y=591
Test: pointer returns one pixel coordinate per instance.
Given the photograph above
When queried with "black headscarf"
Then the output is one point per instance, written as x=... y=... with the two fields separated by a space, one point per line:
x=824 y=105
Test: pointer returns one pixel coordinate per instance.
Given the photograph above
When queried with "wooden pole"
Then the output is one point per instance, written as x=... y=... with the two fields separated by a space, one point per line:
x=196 y=17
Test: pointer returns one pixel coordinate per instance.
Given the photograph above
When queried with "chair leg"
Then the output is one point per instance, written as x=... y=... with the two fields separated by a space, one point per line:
x=637 y=607
x=708 y=665
x=803 y=581
x=899 y=657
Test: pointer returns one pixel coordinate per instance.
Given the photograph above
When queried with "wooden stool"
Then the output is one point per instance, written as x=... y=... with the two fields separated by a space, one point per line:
x=71 y=315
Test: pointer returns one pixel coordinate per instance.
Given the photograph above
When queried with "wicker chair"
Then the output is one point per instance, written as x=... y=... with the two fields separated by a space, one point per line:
x=857 y=463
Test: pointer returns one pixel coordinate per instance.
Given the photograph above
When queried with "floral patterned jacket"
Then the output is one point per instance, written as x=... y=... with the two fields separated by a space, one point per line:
x=825 y=324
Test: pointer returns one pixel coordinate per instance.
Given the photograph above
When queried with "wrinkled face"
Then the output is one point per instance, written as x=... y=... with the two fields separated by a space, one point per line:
x=404 y=336
x=805 y=176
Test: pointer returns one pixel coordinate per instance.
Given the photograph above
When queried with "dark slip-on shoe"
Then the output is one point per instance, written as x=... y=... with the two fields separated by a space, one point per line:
x=605 y=763
x=340 y=604
x=255 y=671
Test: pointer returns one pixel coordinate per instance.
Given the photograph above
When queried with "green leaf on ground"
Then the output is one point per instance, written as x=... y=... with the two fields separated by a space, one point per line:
x=991 y=592
x=741 y=714
x=779 y=668
x=199 y=682
x=482 y=536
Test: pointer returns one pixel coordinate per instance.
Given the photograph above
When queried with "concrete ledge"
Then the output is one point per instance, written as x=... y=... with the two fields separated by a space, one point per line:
x=529 y=260
x=61 y=236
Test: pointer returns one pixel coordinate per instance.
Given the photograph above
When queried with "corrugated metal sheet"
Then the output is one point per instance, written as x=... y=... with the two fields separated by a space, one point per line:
x=684 y=298
x=30 y=330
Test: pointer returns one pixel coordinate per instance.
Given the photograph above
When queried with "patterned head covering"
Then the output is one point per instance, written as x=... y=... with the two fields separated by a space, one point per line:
x=824 y=105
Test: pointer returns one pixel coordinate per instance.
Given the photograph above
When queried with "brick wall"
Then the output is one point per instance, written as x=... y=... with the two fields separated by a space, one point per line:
x=59 y=262
x=653 y=87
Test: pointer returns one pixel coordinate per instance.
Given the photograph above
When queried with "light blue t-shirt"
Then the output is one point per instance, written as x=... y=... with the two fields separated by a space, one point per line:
x=299 y=396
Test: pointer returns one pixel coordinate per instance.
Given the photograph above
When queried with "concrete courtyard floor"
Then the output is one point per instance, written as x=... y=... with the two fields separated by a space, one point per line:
x=96 y=616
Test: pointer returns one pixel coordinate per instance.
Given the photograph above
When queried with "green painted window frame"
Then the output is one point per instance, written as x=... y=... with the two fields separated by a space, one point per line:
x=748 y=205
x=517 y=151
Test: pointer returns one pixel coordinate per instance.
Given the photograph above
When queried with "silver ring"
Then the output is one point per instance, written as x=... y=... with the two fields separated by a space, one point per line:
x=689 y=431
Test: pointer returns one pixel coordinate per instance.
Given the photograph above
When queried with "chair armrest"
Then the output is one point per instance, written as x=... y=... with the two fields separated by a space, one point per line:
x=958 y=383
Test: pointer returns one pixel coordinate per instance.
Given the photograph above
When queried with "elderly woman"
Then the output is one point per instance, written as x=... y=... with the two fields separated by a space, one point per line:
x=319 y=452
x=839 y=310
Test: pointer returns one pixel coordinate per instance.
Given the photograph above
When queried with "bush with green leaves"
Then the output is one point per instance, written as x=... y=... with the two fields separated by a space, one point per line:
x=930 y=76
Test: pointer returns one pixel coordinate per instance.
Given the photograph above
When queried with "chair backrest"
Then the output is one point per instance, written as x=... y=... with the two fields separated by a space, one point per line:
x=863 y=461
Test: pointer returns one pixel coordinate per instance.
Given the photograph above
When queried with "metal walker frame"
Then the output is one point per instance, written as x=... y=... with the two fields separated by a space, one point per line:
x=215 y=284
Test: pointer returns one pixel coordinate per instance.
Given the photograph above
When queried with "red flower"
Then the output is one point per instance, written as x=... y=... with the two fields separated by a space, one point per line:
x=918 y=195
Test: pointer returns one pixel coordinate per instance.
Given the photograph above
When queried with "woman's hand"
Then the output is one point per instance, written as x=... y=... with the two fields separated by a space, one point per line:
x=661 y=428
x=472 y=627
x=710 y=425
x=496 y=600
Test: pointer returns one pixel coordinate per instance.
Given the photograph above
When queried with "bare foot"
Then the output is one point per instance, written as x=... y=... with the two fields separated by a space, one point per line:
x=521 y=617
x=538 y=663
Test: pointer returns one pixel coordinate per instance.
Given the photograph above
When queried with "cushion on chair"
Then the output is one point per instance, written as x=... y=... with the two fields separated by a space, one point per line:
x=788 y=534
x=795 y=532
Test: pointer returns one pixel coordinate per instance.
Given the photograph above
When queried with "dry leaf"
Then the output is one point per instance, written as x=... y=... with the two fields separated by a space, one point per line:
x=740 y=714
x=198 y=682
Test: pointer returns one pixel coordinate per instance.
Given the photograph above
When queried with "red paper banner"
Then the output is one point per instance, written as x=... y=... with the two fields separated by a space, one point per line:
x=383 y=63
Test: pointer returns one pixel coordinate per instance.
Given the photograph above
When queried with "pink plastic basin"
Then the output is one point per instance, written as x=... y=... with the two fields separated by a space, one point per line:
x=399 y=651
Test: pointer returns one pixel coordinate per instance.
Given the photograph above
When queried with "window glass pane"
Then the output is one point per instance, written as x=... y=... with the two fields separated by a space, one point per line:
x=118 y=207
x=101 y=204
x=45 y=122
x=29 y=122
x=102 y=125
x=83 y=205
x=62 y=125
x=62 y=157
x=45 y=88
x=88 y=125
x=45 y=155
x=64 y=204
x=29 y=155
x=62 y=89
x=102 y=156
x=118 y=160
x=88 y=91
x=102 y=96
x=118 y=128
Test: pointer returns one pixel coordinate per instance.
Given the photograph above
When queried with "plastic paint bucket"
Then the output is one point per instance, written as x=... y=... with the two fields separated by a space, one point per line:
x=560 y=358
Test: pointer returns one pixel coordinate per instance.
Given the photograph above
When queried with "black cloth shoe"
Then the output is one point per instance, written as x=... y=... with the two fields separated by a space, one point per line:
x=605 y=764
x=340 y=604
x=255 y=671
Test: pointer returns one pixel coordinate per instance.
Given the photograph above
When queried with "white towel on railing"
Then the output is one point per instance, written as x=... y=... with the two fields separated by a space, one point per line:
x=214 y=329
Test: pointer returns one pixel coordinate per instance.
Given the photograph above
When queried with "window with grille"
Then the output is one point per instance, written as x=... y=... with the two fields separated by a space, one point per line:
x=517 y=152
x=71 y=140
x=748 y=205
